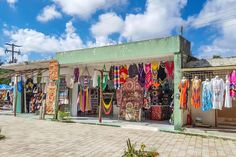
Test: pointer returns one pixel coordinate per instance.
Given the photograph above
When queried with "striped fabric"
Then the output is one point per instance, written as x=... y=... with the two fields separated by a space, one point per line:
x=117 y=77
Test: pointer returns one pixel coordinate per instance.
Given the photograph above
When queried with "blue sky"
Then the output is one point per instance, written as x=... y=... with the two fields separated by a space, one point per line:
x=44 y=27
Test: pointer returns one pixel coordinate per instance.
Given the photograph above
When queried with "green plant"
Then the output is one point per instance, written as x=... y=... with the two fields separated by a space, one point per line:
x=63 y=115
x=132 y=152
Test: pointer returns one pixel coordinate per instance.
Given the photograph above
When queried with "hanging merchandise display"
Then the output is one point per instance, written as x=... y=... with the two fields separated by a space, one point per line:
x=94 y=99
x=85 y=79
x=155 y=67
x=76 y=75
x=95 y=79
x=141 y=75
x=105 y=79
x=119 y=97
x=148 y=77
x=53 y=70
x=117 y=84
x=156 y=95
x=123 y=74
x=133 y=70
x=107 y=108
x=217 y=93
x=169 y=69
x=132 y=99
x=161 y=72
x=183 y=88
x=232 y=79
x=206 y=95
x=228 y=98
x=111 y=72
x=51 y=97
x=196 y=92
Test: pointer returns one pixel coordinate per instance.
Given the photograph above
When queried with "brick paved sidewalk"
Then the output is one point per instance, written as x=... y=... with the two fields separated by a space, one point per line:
x=32 y=138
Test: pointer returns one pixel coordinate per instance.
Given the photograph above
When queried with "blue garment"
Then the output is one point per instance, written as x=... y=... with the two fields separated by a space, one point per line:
x=19 y=86
x=206 y=96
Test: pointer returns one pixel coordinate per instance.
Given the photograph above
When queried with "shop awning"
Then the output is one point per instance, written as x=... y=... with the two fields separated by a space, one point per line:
x=24 y=68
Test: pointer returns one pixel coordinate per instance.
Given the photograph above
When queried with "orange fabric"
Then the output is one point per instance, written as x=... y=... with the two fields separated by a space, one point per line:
x=196 y=93
x=183 y=88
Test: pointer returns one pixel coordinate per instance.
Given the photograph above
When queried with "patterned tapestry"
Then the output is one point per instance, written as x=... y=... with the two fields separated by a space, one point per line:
x=51 y=98
x=132 y=99
x=53 y=70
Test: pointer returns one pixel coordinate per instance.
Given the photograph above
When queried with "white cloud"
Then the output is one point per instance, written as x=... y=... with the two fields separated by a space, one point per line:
x=2 y=51
x=34 y=41
x=108 y=24
x=159 y=19
x=219 y=15
x=11 y=2
x=85 y=8
x=48 y=13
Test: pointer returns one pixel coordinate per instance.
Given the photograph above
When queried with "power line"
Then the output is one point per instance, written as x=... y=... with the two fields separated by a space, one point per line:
x=12 y=51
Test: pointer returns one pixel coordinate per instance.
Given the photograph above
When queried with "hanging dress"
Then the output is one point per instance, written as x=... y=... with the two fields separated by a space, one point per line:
x=161 y=72
x=196 y=93
x=148 y=78
x=111 y=72
x=169 y=69
x=228 y=98
x=206 y=96
x=183 y=88
x=117 y=77
x=155 y=66
x=141 y=75
x=123 y=74
x=232 y=79
x=217 y=93
x=133 y=70
x=76 y=74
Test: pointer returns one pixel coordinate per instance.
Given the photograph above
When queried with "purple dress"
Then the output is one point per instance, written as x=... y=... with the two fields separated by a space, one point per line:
x=141 y=75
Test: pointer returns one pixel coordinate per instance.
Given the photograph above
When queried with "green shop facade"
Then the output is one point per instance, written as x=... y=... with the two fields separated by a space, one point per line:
x=174 y=48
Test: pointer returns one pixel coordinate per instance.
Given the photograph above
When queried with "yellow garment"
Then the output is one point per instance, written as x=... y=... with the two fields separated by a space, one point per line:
x=155 y=66
x=88 y=106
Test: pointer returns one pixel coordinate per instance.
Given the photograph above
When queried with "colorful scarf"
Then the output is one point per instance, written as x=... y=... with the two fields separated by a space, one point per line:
x=117 y=77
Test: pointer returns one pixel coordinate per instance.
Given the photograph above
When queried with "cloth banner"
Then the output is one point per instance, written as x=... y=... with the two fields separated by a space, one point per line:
x=51 y=98
x=53 y=70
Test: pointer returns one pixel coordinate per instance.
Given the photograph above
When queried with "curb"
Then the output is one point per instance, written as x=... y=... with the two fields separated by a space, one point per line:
x=198 y=134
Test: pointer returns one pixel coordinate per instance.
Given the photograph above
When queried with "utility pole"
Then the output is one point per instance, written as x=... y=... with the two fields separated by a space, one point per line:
x=12 y=51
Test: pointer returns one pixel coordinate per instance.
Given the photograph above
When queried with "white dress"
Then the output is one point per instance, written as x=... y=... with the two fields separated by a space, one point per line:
x=217 y=93
x=228 y=98
x=95 y=79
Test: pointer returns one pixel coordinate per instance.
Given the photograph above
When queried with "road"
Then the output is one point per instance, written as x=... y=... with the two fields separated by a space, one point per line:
x=37 y=138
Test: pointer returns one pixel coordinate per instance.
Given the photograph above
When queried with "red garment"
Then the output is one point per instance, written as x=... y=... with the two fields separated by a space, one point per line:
x=169 y=69
x=232 y=79
x=123 y=74
x=148 y=77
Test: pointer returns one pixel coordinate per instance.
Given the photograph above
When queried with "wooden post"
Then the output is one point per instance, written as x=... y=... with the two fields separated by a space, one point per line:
x=15 y=95
x=101 y=97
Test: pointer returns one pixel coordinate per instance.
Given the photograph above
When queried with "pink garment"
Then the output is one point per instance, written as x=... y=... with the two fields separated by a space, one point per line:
x=169 y=69
x=148 y=77
x=232 y=79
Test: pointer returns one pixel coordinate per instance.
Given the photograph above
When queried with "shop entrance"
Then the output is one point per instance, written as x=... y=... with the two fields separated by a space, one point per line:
x=138 y=91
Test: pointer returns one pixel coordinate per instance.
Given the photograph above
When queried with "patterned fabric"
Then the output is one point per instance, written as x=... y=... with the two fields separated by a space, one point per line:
x=156 y=94
x=53 y=70
x=169 y=69
x=119 y=97
x=123 y=74
x=85 y=81
x=196 y=93
x=206 y=96
x=161 y=72
x=183 y=88
x=117 y=77
x=141 y=75
x=132 y=99
x=76 y=74
x=133 y=70
x=155 y=66
x=232 y=79
x=148 y=78
x=51 y=98
x=159 y=112
x=217 y=93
